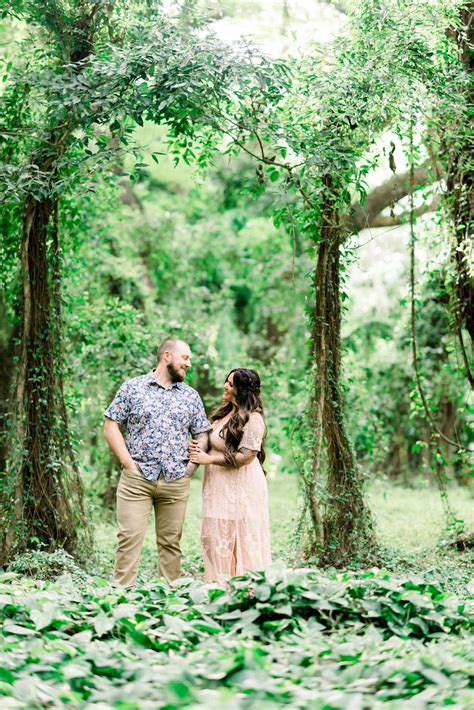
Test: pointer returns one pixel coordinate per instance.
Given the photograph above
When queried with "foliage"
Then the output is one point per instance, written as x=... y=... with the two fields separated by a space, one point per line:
x=105 y=106
x=198 y=257
x=85 y=64
x=280 y=638
x=46 y=565
x=313 y=143
x=388 y=425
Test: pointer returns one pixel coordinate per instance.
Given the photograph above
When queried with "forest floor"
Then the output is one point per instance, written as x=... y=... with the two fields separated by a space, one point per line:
x=383 y=638
x=410 y=525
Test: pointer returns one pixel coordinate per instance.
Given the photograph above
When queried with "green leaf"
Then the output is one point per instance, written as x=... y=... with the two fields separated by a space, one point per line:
x=45 y=616
x=7 y=676
x=10 y=627
x=263 y=592
x=103 y=624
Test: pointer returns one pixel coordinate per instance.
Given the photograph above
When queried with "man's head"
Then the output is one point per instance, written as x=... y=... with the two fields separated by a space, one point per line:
x=175 y=356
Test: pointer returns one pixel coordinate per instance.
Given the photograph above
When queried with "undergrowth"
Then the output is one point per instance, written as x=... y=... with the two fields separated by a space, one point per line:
x=297 y=638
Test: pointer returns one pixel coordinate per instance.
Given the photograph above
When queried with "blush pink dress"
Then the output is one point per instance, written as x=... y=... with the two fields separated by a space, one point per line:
x=235 y=535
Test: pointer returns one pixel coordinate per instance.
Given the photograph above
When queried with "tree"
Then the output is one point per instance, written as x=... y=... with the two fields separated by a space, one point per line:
x=313 y=141
x=96 y=66
x=308 y=125
x=456 y=141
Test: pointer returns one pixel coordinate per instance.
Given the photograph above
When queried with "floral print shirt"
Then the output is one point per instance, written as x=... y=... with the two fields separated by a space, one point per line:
x=158 y=422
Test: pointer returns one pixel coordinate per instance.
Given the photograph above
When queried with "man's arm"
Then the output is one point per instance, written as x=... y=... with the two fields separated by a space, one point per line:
x=202 y=440
x=117 y=443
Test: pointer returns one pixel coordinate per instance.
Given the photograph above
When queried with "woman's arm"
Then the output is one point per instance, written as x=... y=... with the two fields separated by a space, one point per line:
x=242 y=458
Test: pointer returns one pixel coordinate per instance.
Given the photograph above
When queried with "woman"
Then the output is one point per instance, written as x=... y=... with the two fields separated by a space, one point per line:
x=235 y=533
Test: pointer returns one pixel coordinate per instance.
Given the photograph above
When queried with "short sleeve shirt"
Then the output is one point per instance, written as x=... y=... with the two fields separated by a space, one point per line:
x=158 y=421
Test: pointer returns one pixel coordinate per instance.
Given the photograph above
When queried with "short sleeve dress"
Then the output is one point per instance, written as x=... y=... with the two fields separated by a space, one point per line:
x=235 y=535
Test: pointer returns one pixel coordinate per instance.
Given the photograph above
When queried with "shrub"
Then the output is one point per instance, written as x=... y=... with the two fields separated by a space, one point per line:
x=46 y=565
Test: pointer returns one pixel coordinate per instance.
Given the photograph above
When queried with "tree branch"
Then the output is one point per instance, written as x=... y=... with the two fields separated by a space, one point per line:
x=404 y=217
x=383 y=196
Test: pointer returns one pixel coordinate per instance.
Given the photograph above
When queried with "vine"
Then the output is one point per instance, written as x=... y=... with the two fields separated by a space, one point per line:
x=415 y=356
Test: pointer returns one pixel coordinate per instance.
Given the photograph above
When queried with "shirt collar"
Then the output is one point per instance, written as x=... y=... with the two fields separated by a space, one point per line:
x=150 y=380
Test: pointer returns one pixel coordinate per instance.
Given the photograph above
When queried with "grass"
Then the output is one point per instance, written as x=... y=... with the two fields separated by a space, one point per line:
x=413 y=519
x=409 y=522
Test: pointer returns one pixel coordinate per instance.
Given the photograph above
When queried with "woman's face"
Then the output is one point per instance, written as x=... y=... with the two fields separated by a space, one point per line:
x=229 y=394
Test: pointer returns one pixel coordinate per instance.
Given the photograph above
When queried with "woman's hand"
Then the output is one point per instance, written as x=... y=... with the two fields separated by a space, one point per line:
x=197 y=455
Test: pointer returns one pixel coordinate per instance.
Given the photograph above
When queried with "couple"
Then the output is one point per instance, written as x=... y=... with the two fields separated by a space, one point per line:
x=159 y=412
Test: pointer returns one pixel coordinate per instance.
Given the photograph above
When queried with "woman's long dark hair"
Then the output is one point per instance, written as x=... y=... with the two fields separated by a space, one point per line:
x=246 y=384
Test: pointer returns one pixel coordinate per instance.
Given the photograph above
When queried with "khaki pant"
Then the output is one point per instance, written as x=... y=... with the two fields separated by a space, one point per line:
x=135 y=498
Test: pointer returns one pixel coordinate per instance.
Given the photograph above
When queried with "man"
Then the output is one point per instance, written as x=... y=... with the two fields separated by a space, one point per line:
x=159 y=412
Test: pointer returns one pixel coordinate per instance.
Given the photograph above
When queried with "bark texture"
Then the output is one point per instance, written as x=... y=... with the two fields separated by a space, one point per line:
x=460 y=174
x=45 y=491
x=383 y=196
x=346 y=524
x=42 y=494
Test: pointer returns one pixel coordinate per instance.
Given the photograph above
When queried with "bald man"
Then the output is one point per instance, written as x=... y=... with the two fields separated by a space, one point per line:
x=159 y=412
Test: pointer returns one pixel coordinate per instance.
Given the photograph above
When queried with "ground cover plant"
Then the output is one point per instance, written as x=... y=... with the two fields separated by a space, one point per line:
x=298 y=638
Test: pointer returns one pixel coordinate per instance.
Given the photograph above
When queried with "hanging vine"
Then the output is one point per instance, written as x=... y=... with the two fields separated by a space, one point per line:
x=415 y=356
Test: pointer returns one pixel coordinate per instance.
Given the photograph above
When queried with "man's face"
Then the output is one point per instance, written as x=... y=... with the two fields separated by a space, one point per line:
x=179 y=362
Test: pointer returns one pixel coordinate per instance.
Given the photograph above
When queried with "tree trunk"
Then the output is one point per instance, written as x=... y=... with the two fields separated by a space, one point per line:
x=347 y=530
x=460 y=189
x=7 y=367
x=42 y=494
x=41 y=482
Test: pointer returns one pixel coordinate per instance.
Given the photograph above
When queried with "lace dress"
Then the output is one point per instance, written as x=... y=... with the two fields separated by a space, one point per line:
x=235 y=534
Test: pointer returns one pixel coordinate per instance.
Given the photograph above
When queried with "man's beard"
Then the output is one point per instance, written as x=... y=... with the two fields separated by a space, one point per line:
x=175 y=374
